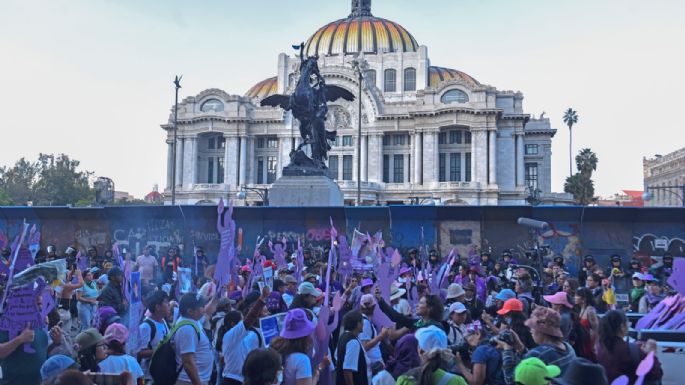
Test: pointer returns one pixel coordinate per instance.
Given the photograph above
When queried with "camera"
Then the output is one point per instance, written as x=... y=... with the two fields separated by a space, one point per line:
x=504 y=336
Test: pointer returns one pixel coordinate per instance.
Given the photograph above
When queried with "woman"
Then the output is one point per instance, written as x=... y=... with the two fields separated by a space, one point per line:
x=118 y=361
x=295 y=346
x=551 y=348
x=262 y=367
x=570 y=287
x=515 y=320
x=637 y=292
x=486 y=360
x=653 y=295
x=589 y=323
x=619 y=357
x=87 y=300
x=429 y=310
x=435 y=359
x=91 y=348
x=405 y=357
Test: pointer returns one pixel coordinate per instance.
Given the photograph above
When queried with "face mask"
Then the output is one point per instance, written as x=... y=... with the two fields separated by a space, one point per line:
x=402 y=279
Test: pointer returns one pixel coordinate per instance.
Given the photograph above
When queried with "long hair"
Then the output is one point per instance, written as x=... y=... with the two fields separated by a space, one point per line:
x=87 y=360
x=230 y=320
x=518 y=325
x=432 y=361
x=261 y=367
x=299 y=302
x=116 y=347
x=435 y=306
x=286 y=347
x=609 y=327
x=586 y=294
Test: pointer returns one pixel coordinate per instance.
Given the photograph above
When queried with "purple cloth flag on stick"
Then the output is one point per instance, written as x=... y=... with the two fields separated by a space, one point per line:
x=15 y=253
x=34 y=242
x=22 y=311
x=81 y=261
x=358 y=240
x=345 y=260
x=117 y=255
x=300 y=262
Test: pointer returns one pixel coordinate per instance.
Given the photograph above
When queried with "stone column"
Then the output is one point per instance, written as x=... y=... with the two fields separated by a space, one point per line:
x=365 y=158
x=406 y=168
x=430 y=162
x=520 y=167
x=375 y=157
x=193 y=160
x=251 y=161
x=283 y=154
x=243 y=161
x=418 y=158
x=492 y=157
x=231 y=162
x=169 y=164
x=179 y=161
x=188 y=162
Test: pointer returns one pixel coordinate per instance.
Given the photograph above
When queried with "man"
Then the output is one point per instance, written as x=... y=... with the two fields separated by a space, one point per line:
x=588 y=267
x=67 y=303
x=95 y=259
x=524 y=291
x=290 y=289
x=486 y=263
x=146 y=264
x=193 y=349
x=112 y=294
x=351 y=368
x=201 y=262
x=664 y=269
x=474 y=304
x=153 y=328
x=369 y=337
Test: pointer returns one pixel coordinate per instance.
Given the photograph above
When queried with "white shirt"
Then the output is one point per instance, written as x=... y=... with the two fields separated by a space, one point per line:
x=288 y=298
x=235 y=346
x=186 y=341
x=144 y=334
x=352 y=351
x=118 y=364
x=383 y=378
x=297 y=367
x=368 y=333
x=403 y=307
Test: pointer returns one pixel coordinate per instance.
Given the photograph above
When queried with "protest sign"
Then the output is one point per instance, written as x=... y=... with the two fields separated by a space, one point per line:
x=271 y=326
x=136 y=288
x=269 y=277
x=185 y=279
x=22 y=311
x=50 y=271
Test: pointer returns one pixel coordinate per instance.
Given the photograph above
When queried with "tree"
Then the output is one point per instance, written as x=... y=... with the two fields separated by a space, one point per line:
x=580 y=185
x=570 y=118
x=60 y=183
x=586 y=162
x=17 y=182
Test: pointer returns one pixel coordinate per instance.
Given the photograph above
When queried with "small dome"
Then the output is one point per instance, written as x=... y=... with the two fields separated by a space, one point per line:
x=438 y=74
x=266 y=87
x=360 y=32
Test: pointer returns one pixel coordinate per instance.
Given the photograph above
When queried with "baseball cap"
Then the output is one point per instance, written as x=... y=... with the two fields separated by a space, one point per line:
x=55 y=365
x=532 y=371
x=308 y=288
x=116 y=332
x=510 y=305
x=457 y=307
x=190 y=301
x=289 y=279
x=367 y=301
x=88 y=338
x=430 y=338
x=505 y=294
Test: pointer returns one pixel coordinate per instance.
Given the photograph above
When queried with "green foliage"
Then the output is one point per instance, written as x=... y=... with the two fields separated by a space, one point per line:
x=51 y=181
x=580 y=185
x=570 y=117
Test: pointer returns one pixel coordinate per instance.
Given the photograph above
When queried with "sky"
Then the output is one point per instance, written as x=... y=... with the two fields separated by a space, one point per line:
x=93 y=78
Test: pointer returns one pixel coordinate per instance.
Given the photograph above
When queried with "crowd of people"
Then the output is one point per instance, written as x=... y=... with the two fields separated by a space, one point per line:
x=492 y=322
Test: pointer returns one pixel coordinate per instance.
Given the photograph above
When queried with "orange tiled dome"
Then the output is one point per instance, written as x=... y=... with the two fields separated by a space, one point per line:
x=438 y=74
x=263 y=89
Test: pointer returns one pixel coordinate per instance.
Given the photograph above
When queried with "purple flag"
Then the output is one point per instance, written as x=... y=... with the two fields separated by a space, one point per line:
x=300 y=262
x=225 y=261
x=34 y=241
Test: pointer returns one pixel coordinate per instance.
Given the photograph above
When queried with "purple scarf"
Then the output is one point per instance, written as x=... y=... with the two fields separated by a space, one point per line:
x=406 y=356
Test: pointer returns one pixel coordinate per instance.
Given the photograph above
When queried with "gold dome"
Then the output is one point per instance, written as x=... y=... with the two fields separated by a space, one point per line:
x=439 y=74
x=266 y=87
x=360 y=32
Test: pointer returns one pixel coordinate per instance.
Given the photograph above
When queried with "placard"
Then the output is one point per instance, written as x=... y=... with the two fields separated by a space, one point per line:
x=136 y=288
x=185 y=279
x=271 y=326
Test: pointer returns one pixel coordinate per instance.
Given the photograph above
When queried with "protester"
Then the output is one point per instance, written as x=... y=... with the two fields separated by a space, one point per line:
x=290 y=289
x=594 y=284
x=146 y=264
x=589 y=323
x=117 y=360
x=17 y=365
x=352 y=364
x=262 y=367
x=486 y=360
x=619 y=357
x=583 y=372
x=295 y=344
x=87 y=300
x=275 y=302
x=91 y=348
x=472 y=302
x=457 y=314
x=532 y=371
x=561 y=304
x=435 y=357
x=653 y=295
x=397 y=300
x=637 y=291
x=192 y=347
x=153 y=329
x=429 y=310
x=370 y=338
x=112 y=294
x=55 y=365
x=587 y=269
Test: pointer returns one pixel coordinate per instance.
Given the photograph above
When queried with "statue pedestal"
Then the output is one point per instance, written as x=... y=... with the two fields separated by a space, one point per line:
x=305 y=190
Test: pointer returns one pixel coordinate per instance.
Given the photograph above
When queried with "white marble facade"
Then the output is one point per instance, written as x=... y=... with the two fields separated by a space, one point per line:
x=663 y=171
x=428 y=132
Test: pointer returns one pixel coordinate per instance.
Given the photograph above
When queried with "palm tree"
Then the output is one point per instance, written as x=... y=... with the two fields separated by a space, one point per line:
x=570 y=118
x=586 y=161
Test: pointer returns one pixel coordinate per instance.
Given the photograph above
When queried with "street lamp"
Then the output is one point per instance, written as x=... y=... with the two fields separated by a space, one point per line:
x=262 y=192
x=359 y=64
x=648 y=195
x=177 y=83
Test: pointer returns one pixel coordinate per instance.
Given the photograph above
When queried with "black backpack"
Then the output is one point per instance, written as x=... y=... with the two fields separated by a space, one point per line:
x=164 y=357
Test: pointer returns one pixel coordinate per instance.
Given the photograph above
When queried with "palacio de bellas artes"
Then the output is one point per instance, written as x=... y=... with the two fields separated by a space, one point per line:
x=429 y=132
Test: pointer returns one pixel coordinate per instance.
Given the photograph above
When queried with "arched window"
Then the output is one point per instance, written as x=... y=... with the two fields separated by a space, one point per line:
x=410 y=79
x=370 y=76
x=454 y=96
x=390 y=79
x=214 y=105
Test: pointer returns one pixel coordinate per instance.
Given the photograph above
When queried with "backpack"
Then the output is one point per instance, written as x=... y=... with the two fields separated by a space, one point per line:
x=164 y=357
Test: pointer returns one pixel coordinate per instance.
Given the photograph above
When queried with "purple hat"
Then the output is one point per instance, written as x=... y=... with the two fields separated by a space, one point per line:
x=367 y=282
x=297 y=325
x=405 y=270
